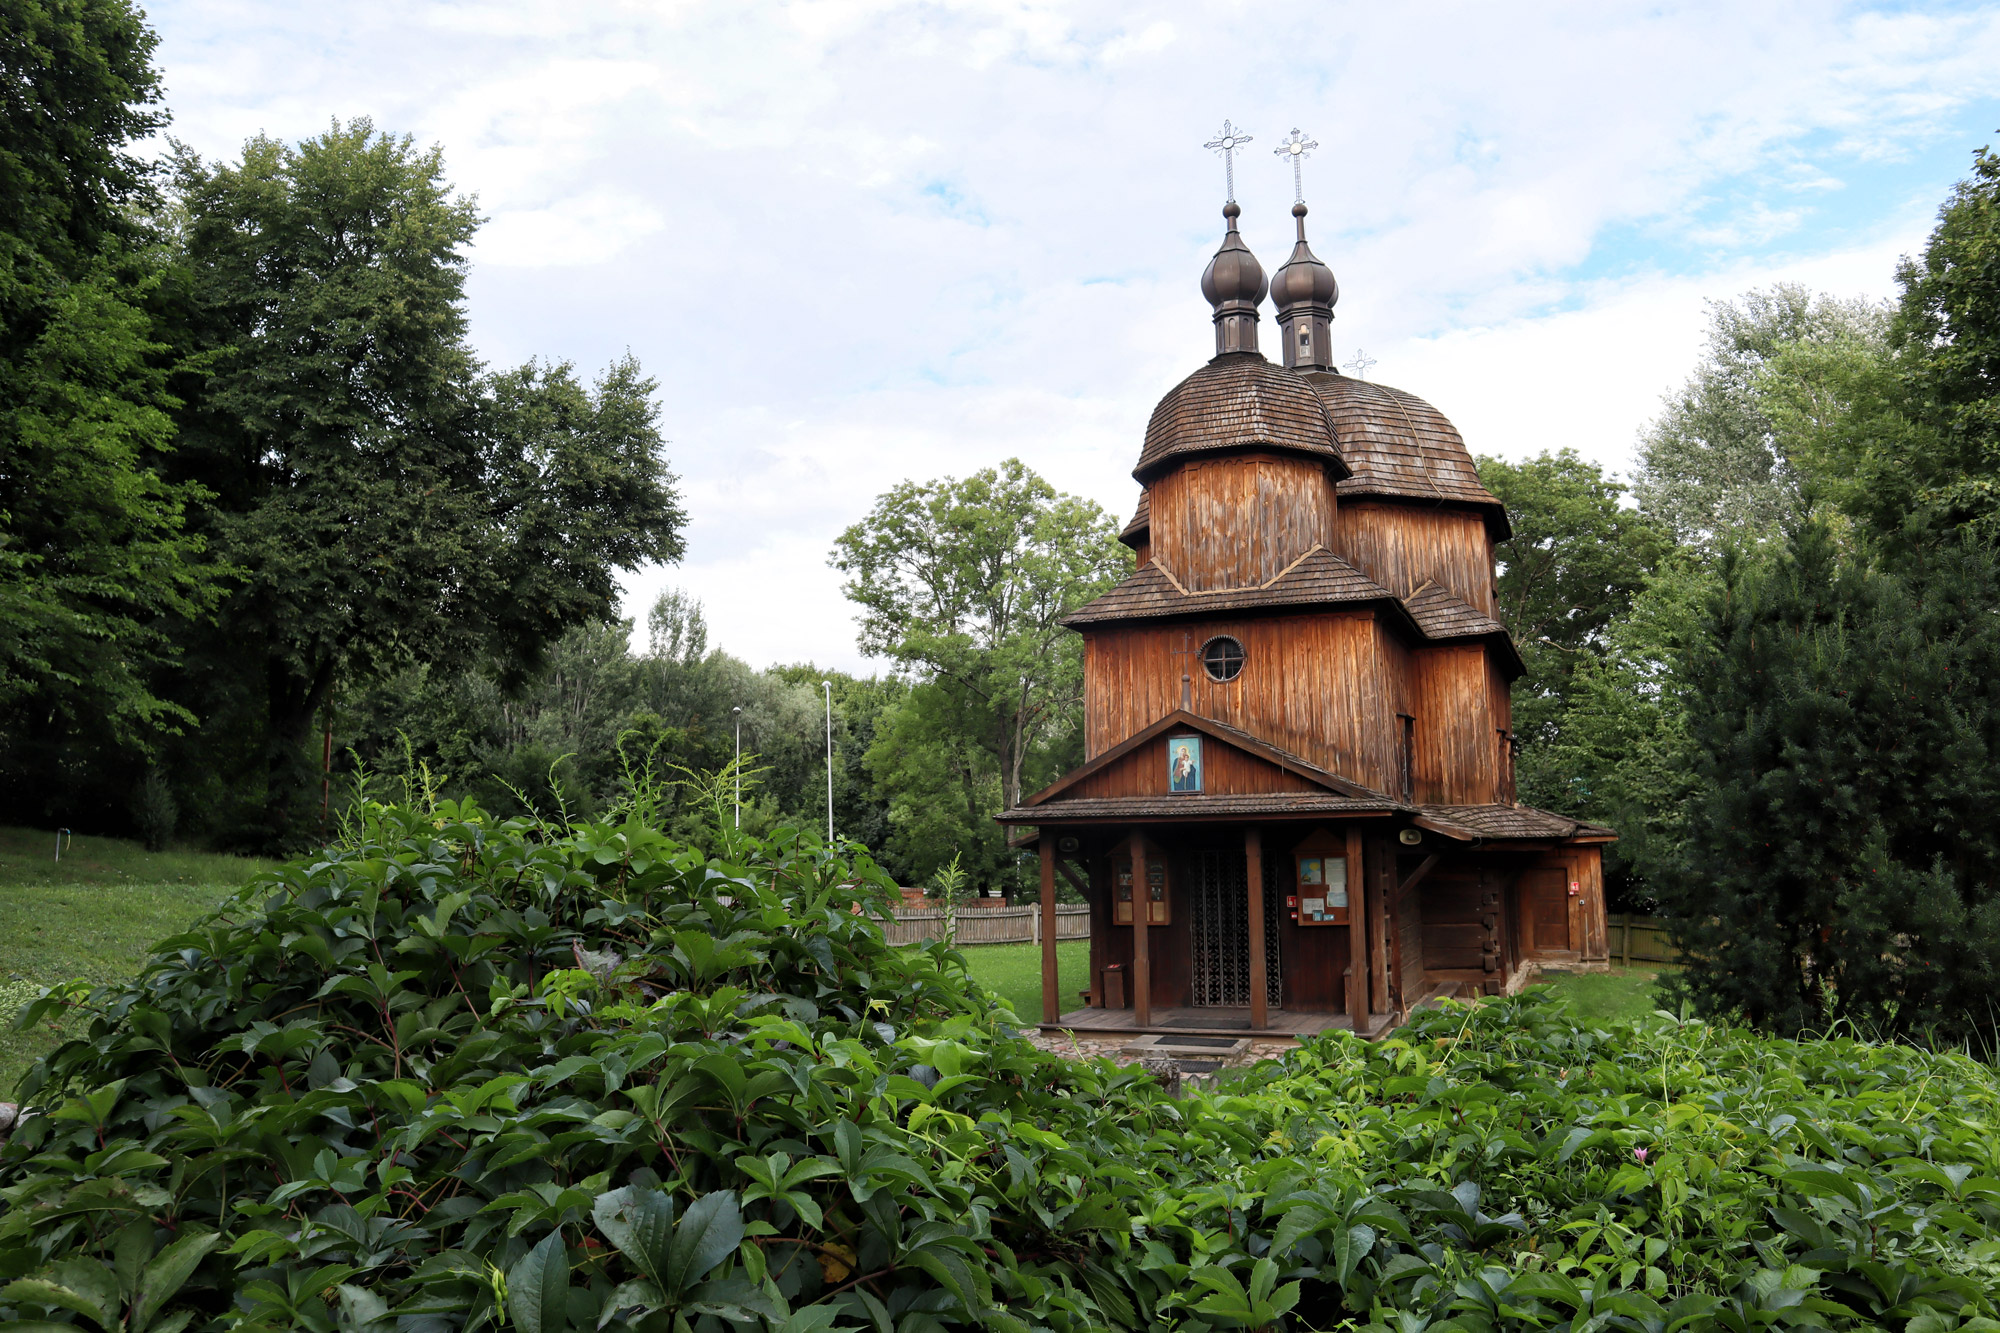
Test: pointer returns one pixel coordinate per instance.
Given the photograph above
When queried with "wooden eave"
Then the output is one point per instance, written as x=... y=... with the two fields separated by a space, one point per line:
x=1443 y=617
x=1182 y=720
x=1317 y=580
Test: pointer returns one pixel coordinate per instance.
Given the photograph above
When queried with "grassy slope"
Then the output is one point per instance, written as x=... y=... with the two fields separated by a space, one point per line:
x=1014 y=973
x=93 y=915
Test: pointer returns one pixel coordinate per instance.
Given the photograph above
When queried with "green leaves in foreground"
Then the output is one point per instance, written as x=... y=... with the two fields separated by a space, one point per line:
x=376 y=1092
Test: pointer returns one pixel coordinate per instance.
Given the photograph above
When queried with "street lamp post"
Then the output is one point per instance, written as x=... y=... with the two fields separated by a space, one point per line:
x=738 y=769
x=827 y=685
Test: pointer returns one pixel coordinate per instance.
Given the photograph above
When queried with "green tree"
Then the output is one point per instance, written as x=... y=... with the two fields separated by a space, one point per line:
x=388 y=503
x=1723 y=460
x=1844 y=737
x=94 y=550
x=964 y=583
x=1919 y=448
x=1575 y=562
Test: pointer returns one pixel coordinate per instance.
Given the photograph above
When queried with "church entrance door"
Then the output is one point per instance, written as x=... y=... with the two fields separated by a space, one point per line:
x=1220 y=931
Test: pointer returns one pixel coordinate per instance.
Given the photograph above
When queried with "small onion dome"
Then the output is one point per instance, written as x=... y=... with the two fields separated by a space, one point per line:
x=1303 y=280
x=1234 y=284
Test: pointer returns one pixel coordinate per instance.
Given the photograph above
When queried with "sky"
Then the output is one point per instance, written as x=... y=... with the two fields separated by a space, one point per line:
x=859 y=242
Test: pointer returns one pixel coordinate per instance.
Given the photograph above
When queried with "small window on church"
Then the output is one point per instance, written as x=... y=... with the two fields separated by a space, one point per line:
x=1222 y=658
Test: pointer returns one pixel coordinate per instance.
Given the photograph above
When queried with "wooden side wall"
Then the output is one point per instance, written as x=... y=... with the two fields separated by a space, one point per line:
x=1401 y=545
x=1237 y=521
x=1313 y=684
x=1457 y=733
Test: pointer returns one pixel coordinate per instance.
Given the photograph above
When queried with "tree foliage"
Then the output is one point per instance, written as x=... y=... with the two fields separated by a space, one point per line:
x=1724 y=461
x=1844 y=731
x=965 y=583
x=94 y=548
x=389 y=505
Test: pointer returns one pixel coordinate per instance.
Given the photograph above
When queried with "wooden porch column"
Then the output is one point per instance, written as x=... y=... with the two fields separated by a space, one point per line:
x=1142 y=908
x=1383 y=900
x=1357 y=934
x=1051 y=992
x=1253 y=864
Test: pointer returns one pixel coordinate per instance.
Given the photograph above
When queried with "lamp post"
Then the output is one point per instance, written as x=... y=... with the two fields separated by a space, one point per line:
x=827 y=685
x=737 y=712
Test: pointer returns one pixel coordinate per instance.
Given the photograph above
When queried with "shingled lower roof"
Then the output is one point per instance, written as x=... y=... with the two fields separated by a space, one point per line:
x=1141 y=521
x=1443 y=616
x=1396 y=444
x=1317 y=578
x=1468 y=822
x=1239 y=401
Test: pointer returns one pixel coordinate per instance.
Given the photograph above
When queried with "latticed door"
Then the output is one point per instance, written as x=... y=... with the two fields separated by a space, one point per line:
x=1220 y=931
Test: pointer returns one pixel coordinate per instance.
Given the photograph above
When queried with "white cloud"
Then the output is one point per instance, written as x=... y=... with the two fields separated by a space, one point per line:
x=864 y=240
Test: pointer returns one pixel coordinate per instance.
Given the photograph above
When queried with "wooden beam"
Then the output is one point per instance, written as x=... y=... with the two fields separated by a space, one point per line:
x=1253 y=865
x=1380 y=898
x=1357 y=934
x=1142 y=962
x=1051 y=997
x=1416 y=877
x=1076 y=881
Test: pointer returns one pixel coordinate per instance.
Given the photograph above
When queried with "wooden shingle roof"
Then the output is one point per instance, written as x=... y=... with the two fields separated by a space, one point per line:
x=1443 y=616
x=1141 y=521
x=1467 y=822
x=1318 y=578
x=1239 y=401
x=1396 y=444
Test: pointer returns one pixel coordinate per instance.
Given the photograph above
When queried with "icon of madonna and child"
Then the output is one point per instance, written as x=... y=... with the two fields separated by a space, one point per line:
x=1184 y=764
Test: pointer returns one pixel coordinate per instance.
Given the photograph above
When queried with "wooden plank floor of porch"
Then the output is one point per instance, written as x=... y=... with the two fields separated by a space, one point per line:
x=1214 y=1022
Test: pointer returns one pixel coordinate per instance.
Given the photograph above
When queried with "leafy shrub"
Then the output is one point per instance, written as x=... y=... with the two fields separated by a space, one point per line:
x=463 y=1073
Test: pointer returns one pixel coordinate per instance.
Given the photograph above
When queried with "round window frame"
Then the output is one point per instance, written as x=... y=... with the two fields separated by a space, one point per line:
x=1242 y=659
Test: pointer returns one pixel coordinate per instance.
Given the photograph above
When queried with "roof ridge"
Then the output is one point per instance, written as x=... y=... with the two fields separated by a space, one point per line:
x=1316 y=546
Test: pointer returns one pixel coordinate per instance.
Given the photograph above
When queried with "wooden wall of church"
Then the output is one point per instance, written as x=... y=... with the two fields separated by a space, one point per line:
x=1314 y=684
x=1401 y=545
x=1225 y=772
x=1458 y=725
x=1237 y=521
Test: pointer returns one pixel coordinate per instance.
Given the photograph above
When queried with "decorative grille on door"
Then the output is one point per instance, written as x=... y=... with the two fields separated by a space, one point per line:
x=1220 y=931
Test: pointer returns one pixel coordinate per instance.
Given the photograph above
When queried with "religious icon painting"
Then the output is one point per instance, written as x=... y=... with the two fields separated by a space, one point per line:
x=1184 y=763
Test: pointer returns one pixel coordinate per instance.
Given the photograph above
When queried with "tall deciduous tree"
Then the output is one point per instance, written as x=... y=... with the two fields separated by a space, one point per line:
x=1576 y=560
x=93 y=546
x=387 y=503
x=965 y=583
x=1718 y=463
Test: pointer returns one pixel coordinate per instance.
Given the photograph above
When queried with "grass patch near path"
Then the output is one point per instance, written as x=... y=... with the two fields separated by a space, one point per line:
x=95 y=915
x=1623 y=994
x=1014 y=973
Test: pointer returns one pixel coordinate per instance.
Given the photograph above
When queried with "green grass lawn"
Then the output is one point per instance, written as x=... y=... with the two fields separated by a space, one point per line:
x=1014 y=972
x=93 y=915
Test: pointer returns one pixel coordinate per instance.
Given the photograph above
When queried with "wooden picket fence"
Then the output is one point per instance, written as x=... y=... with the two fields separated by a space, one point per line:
x=989 y=925
x=1641 y=939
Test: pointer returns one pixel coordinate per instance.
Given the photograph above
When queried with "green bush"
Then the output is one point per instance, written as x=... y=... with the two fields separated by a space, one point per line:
x=461 y=1073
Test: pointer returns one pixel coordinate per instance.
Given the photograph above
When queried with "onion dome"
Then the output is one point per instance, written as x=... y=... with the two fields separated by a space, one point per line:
x=1234 y=284
x=1304 y=291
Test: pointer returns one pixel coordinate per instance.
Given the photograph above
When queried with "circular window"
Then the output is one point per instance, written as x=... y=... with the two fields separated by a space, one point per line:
x=1222 y=658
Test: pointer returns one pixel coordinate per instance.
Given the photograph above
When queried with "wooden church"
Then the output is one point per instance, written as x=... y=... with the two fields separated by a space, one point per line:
x=1297 y=807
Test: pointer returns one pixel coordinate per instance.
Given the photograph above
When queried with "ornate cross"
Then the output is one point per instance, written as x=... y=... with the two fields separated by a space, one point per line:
x=1360 y=364
x=1297 y=149
x=1226 y=143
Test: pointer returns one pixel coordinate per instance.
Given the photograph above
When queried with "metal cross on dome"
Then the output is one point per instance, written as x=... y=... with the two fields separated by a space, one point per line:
x=1226 y=143
x=1360 y=364
x=1297 y=149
